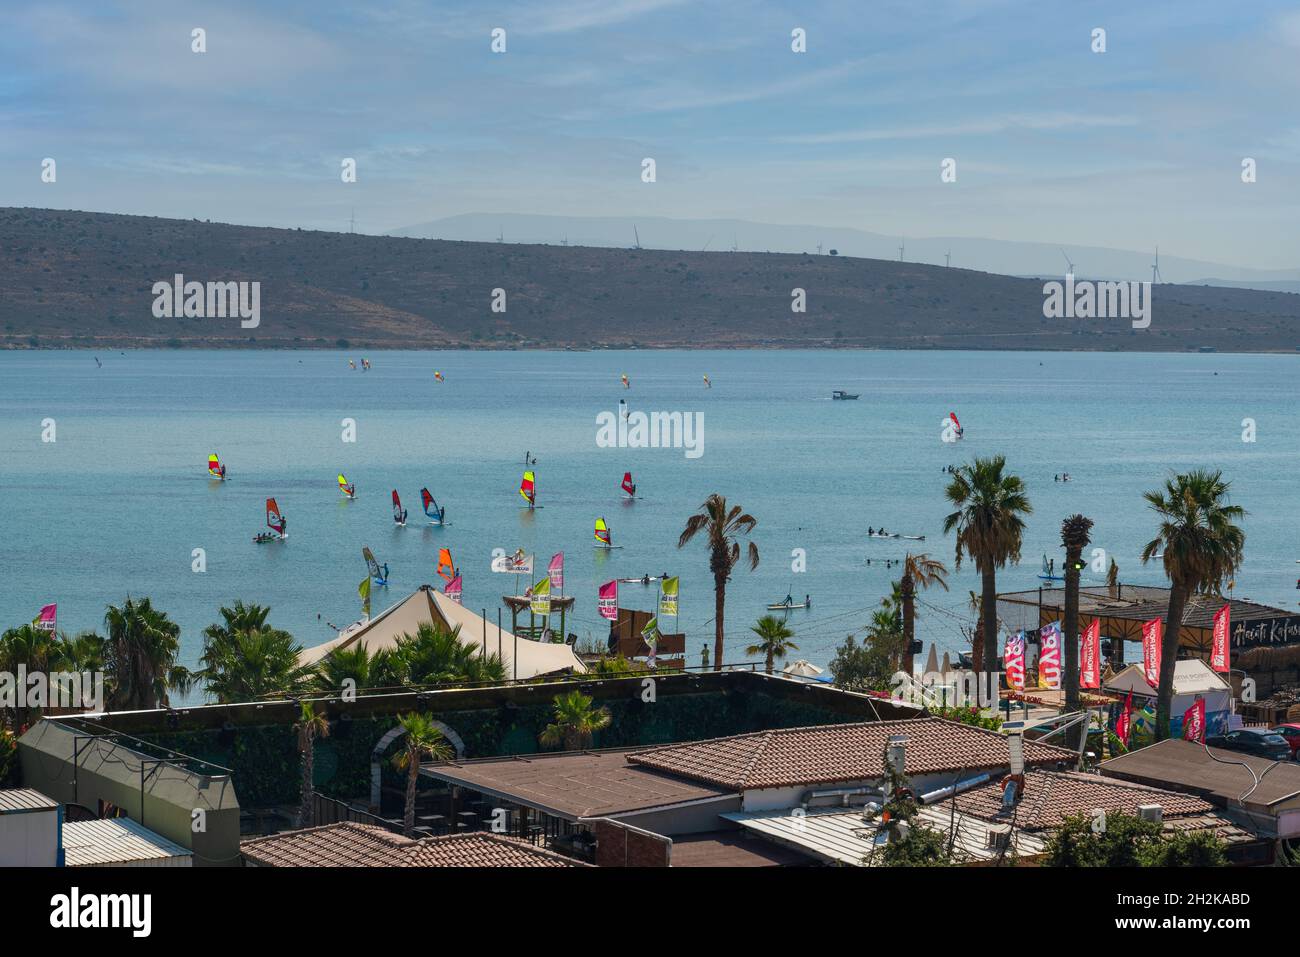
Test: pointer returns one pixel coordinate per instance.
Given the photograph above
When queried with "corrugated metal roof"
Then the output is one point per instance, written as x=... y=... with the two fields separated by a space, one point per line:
x=25 y=799
x=843 y=837
x=115 y=841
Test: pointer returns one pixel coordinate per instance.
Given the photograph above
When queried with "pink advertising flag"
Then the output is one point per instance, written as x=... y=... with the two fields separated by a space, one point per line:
x=1090 y=656
x=607 y=602
x=454 y=589
x=1151 y=636
x=1194 y=722
x=555 y=571
x=1219 y=649
x=1013 y=660
x=47 y=619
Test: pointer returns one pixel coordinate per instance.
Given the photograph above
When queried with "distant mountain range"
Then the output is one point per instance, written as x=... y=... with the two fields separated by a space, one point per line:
x=719 y=235
x=87 y=280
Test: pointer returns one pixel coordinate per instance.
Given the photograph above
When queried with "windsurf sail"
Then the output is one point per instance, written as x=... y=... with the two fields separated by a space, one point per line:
x=626 y=383
x=274 y=520
x=953 y=416
x=437 y=376
x=344 y=487
x=214 y=466
x=373 y=566
x=399 y=513
x=528 y=487
x=602 y=532
x=445 y=562
x=707 y=383
x=627 y=484
x=430 y=504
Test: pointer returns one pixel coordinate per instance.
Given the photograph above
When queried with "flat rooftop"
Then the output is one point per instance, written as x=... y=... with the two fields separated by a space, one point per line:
x=573 y=785
x=1187 y=766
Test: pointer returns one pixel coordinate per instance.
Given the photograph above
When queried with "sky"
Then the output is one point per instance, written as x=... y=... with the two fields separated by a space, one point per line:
x=1137 y=146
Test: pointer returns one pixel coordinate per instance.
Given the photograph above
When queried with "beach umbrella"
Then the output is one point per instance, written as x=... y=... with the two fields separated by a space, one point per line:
x=802 y=669
x=932 y=663
x=947 y=664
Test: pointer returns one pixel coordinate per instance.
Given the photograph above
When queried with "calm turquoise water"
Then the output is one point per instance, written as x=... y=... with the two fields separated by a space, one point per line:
x=119 y=501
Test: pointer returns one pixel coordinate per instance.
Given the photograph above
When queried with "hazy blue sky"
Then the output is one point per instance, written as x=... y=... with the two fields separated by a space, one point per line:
x=1140 y=145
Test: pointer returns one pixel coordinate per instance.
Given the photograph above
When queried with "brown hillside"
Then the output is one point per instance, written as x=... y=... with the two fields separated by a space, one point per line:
x=74 y=279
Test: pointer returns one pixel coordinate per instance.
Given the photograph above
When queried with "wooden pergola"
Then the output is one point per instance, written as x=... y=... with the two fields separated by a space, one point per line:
x=1123 y=609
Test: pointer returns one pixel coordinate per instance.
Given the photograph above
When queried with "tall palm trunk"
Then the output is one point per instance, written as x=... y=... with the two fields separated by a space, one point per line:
x=908 y=588
x=308 y=764
x=412 y=773
x=1168 y=656
x=1071 y=650
x=988 y=652
x=719 y=607
x=769 y=661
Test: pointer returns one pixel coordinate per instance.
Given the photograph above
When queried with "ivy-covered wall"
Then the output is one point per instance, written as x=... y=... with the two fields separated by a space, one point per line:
x=266 y=766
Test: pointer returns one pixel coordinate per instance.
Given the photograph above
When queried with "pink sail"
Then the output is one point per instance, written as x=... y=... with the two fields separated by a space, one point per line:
x=607 y=601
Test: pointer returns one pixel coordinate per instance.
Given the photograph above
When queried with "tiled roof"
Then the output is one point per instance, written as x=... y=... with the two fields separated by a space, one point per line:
x=1052 y=796
x=364 y=845
x=826 y=754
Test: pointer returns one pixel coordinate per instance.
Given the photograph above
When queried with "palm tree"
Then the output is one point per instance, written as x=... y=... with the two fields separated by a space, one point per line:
x=989 y=529
x=245 y=659
x=919 y=571
x=885 y=634
x=1074 y=538
x=358 y=666
x=1202 y=549
x=80 y=656
x=422 y=739
x=576 y=722
x=311 y=725
x=31 y=648
x=774 y=640
x=722 y=528
x=435 y=655
x=141 y=655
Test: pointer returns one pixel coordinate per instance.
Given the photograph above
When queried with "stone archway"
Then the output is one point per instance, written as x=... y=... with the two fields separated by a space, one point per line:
x=383 y=744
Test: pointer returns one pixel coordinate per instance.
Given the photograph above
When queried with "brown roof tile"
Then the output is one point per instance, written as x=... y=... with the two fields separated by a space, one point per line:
x=825 y=754
x=364 y=845
x=1052 y=796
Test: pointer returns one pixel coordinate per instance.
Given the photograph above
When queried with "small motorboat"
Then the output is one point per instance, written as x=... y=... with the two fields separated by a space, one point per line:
x=841 y=394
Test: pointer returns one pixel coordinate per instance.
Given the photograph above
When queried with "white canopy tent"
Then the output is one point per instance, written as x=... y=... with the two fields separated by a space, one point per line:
x=428 y=606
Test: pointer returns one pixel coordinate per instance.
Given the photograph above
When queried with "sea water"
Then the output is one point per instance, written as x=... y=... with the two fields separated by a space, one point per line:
x=118 y=502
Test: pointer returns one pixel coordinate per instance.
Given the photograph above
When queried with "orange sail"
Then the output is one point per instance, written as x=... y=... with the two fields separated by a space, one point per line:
x=444 y=561
x=274 y=520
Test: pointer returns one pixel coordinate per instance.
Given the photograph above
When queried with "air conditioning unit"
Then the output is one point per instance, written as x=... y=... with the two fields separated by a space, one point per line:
x=998 y=837
x=1151 y=812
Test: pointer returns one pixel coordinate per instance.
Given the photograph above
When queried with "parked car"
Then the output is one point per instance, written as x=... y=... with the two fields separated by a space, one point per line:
x=1259 y=742
x=1291 y=732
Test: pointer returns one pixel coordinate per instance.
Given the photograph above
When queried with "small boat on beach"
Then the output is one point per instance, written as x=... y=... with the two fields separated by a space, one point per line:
x=841 y=394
